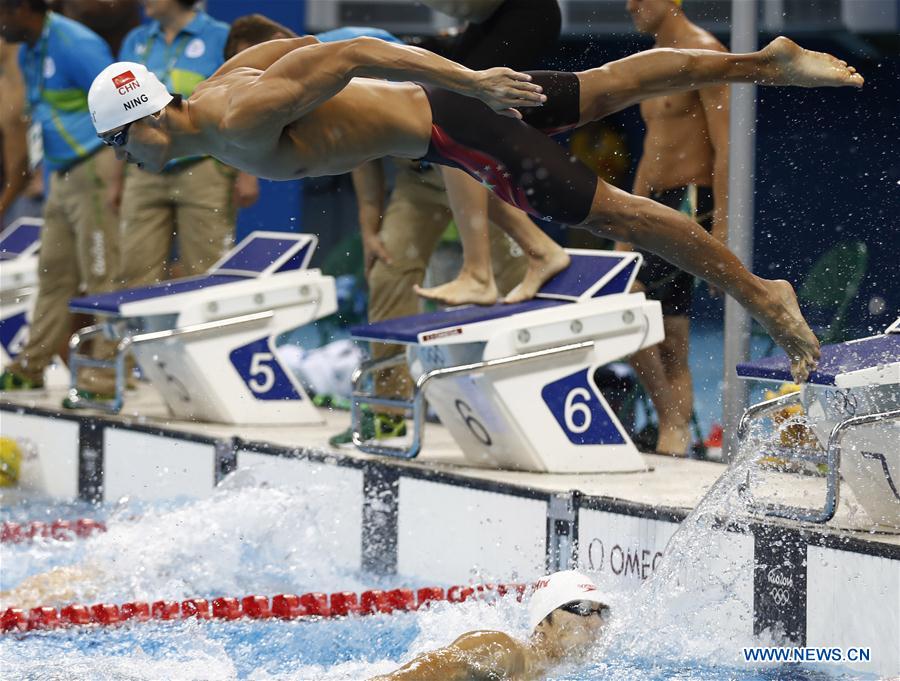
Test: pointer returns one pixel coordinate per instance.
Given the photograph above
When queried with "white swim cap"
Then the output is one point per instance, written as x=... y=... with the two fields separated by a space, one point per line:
x=558 y=589
x=123 y=93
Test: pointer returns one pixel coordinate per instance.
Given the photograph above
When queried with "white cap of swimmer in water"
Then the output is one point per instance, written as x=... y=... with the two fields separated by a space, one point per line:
x=559 y=589
x=123 y=93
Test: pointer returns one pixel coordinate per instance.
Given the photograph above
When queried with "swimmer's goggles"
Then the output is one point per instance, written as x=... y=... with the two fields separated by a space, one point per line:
x=585 y=608
x=119 y=139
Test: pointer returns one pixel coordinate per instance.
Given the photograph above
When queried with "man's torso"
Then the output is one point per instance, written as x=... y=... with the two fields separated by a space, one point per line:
x=677 y=148
x=368 y=119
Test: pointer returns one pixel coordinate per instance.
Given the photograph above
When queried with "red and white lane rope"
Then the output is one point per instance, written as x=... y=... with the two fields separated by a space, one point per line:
x=282 y=606
x=59 y=530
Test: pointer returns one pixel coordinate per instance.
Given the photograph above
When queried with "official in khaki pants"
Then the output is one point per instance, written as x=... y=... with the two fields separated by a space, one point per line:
x=194 y=200
x=79 y=253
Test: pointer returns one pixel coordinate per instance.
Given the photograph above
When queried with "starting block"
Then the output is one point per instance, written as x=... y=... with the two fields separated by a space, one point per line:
x=207 y=343
x=19 y=244
x=514 y=384
x=852 y=403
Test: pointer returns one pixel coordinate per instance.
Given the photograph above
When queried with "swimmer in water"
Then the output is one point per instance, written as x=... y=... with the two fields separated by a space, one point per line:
x=566 y=614
x=289 y=109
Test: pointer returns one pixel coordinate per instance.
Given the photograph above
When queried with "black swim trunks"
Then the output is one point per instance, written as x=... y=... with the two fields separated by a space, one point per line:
x=517 y=159
x=672 y=287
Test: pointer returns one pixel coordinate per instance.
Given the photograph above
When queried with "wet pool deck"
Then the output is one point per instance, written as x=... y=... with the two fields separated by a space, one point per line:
x=671 y=483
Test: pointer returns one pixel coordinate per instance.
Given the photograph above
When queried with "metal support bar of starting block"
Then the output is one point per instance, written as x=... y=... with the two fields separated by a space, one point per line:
x=123 y=346
x=417 y=402
x=831 y=457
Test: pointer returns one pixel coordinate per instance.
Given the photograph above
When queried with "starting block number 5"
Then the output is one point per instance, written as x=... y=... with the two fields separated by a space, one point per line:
x=258 y=367
x=580 y=411
x=262 y=373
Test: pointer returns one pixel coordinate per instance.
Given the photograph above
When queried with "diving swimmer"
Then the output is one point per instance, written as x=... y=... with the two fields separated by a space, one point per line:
x=566 y=615
x=290 y=109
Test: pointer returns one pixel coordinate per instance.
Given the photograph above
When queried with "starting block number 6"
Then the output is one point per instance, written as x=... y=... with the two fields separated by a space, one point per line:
x=474 y=425
x=571 y=408
x=581 y=411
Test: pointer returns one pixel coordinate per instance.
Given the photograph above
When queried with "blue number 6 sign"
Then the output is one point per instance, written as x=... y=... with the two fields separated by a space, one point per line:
x=580 y=412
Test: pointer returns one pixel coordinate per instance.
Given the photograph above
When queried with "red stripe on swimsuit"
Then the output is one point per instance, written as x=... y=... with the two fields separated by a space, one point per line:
x=483 y=167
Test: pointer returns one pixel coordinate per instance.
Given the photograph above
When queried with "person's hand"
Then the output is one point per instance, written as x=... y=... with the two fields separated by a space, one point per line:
x=113 y=195
x=246 y=190
x=503 y=89
x=374 y=250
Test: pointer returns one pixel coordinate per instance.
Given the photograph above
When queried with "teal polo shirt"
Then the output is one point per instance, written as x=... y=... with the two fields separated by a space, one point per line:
x=192 y=57
x=58 y=70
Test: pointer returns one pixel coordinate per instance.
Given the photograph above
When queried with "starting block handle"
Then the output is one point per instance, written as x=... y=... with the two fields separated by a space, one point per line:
x=763 y=409
x=196 y=328
x=358 y=398
x=417 y=403
x=832 y=459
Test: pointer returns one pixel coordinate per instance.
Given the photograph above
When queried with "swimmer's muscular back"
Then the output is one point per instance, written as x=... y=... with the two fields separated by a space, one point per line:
x=678 y=148
x=304 y=114
x=474 y=656
x=261 y=119
x=366 y=120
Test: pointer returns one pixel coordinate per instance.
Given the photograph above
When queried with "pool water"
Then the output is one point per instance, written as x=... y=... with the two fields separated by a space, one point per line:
x=268 y=540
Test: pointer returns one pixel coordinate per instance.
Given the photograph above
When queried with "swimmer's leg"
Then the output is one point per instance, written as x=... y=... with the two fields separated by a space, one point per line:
x=475 y=282
x=664 y=372
x=673 y=235
x=653 y=73
x=473 y=205
x=545 y=257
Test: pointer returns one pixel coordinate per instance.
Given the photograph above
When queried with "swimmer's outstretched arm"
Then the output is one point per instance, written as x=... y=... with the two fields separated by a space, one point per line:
x=305 y=78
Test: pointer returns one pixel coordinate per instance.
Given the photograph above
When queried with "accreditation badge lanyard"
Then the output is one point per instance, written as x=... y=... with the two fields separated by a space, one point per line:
x=36 y=75
x=174 y=51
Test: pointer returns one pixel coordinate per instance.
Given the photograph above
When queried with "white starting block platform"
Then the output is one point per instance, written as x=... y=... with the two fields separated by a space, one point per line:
x=852 y=403
x=514 y=384
x=207 y=343
x=19 y=245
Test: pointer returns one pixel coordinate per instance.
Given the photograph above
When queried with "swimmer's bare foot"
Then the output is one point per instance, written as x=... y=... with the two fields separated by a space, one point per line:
x=790 y=64
x=781 y=317
x=673 y=440
x=465 y=289
x=541 y=268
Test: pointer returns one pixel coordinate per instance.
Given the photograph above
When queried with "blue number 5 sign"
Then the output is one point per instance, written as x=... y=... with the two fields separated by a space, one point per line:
x=261 y=371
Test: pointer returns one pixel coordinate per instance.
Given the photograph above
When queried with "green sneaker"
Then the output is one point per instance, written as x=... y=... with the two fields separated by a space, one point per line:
x=13 y=381
x=69 y=403
x=374 y=427
x=328 y=401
